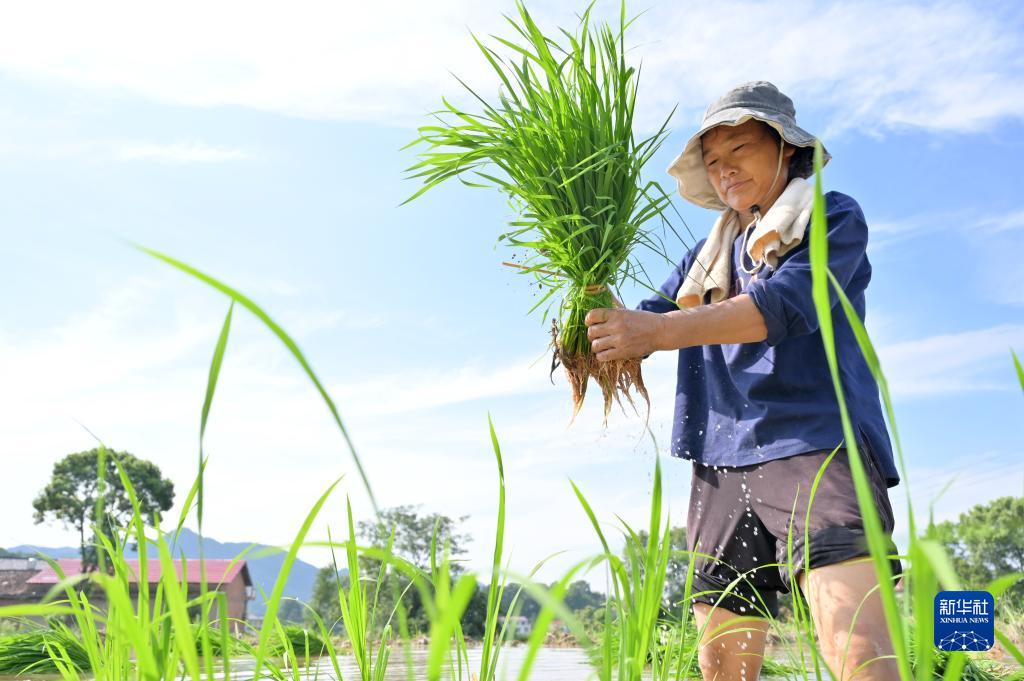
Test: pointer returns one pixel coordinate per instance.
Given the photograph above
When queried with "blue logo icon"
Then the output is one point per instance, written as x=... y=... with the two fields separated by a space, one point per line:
x=964 y=620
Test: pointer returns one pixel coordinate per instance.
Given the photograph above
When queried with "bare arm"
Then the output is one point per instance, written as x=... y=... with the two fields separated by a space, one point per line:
x=622 y=334
x=735 y=320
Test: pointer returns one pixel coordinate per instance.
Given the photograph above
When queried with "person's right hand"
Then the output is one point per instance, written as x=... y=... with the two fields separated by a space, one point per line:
x=624 y=334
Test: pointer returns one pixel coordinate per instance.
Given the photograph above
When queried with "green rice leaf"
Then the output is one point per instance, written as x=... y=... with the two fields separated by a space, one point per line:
x=1020 y=369
x=283 y=336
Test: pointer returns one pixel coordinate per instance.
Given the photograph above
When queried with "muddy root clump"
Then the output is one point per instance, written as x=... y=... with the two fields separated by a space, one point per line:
x=616 y=378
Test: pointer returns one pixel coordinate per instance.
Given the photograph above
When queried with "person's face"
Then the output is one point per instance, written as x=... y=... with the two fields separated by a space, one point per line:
x=741 y=161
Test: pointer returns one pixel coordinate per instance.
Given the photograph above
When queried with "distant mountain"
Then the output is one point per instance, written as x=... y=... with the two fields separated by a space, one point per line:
x=57 y=552
x=263 y=570
x=10 y=554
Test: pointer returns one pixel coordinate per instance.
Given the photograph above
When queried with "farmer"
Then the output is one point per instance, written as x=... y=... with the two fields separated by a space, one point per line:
x=756 y=409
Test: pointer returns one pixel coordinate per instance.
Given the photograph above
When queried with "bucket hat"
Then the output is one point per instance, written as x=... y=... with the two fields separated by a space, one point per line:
x=757 y=99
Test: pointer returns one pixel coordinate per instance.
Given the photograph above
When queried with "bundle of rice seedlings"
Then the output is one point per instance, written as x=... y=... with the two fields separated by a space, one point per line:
x=303 y=642
x=29 y=652
x=558 y=141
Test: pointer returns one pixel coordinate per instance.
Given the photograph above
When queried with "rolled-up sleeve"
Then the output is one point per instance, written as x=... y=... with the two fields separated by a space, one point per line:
x=785 y=299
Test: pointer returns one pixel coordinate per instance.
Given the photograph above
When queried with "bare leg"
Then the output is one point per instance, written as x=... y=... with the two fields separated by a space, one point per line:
x=732 y=652
x=834 y=592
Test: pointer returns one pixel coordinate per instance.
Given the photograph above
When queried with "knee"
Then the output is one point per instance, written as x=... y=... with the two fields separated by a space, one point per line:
x=712 y=660
x=857 y=656
x=723 y=662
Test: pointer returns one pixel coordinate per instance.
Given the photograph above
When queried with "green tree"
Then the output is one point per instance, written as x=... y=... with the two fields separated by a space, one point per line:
x=474 y=619
x=527 y=605
x=413 y=532
x=579 y=596
x=293 y=612
x=988 y=542
x=675 y=573
x=325 y=597
x=73 y=491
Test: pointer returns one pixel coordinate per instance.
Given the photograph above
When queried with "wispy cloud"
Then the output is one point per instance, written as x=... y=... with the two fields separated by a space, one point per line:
x=131 y=151
x=876 y=66
x=867 y=65
x=997 y=224
x=952 y=363
x=187 y=152
x=978 y=223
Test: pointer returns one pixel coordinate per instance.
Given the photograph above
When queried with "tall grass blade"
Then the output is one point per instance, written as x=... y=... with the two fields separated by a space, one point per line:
x=283 y=336
x=877 y=543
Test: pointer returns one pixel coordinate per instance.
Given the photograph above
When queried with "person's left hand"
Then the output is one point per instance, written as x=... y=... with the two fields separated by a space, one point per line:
x=623 y=334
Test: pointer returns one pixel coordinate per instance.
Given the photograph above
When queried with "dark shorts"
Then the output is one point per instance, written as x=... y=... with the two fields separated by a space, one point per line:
x=740 y=516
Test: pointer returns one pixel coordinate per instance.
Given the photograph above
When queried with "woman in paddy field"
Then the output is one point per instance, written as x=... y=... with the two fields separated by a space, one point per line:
x=756 y=410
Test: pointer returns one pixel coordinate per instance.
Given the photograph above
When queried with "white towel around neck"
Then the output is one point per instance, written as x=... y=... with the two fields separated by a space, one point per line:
x=781 y=229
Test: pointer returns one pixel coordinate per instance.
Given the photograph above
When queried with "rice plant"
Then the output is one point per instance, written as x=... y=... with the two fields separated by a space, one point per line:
x=298 y=642
x=28 y=652
x=359 y=614
x=559 y=142
x=635 y=604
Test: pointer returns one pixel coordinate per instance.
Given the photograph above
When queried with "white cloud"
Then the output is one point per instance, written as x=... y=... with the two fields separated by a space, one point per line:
x=870 y=65
x=952 y=363
x=885 y=234
x=986 y=245
x=951 y=66
x=121 y=150
x=982 y=477
x=997 y=224
x=186 y=152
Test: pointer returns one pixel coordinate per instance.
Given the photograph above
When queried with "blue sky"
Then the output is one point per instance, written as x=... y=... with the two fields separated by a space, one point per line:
x=266 y=149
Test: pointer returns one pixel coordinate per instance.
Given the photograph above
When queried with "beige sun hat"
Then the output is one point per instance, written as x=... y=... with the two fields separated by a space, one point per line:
x=757 y=99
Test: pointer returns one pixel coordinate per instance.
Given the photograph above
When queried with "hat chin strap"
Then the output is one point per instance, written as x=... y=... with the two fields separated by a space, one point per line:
x=756 y=209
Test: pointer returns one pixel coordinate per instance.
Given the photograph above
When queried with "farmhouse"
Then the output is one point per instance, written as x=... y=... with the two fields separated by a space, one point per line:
x=29 y=579
x=520 y=625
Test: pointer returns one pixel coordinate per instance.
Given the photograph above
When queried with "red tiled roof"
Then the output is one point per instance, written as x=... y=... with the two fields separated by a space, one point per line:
x=217 y=571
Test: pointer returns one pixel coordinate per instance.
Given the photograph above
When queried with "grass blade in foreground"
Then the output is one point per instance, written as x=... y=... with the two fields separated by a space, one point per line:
x=877 y=543
x=271 y=615
x=1020 y=369
x=283 y=336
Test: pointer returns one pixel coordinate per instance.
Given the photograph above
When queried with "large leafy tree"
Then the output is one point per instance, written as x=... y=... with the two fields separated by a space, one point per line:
x=988 y=542
x=325 y=600
x=72 y=494
x=413 y=533
x=580 y=596
x=675 y=573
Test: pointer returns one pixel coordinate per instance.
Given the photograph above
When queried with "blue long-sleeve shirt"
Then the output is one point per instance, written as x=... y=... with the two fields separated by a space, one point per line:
x=744 y=403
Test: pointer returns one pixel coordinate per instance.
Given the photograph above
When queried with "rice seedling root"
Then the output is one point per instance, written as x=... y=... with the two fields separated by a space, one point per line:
x=616 y=378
